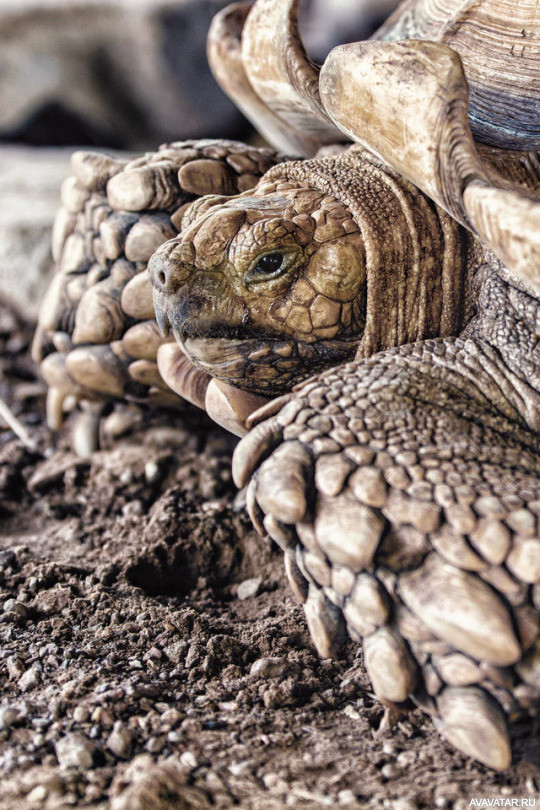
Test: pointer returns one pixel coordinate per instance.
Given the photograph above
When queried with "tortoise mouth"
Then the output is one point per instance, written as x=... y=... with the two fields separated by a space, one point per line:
x=248 y=357
x=266 y=366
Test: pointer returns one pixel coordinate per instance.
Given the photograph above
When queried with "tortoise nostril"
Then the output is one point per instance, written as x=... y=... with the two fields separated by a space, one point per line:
x=166 y=274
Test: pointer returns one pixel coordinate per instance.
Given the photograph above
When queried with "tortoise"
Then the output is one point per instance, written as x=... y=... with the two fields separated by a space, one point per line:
x=384 y=297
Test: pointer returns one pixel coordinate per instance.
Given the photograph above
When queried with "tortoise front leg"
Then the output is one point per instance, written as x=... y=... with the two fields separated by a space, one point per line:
x=407 y=505
x=97 y=338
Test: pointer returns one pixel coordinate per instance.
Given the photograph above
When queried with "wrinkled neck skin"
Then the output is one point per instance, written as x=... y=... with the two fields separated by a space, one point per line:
x=504 y=320
x=413 y=249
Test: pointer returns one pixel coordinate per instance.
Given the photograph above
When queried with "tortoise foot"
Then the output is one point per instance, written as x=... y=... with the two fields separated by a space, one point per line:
x=408 y=513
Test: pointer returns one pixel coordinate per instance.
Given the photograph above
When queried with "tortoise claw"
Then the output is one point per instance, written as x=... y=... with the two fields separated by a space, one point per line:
x=325 y=622
x=181 y=375
x=254 y=510
x=283 y=483
x=85 y=435
x=230 y=407
x=254 y=448
x=472 y=721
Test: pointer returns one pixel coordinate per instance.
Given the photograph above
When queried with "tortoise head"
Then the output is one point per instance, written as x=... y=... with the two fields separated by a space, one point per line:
x=264 y=289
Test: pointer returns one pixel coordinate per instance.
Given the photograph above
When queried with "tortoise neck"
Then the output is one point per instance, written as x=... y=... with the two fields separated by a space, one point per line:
x=507 y=318
x=412 y=247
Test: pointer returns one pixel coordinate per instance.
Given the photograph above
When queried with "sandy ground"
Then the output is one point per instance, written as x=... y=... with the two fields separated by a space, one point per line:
x=152 y=656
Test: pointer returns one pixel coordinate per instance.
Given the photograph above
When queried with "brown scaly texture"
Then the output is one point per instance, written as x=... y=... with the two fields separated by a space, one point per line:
x=404 y=486
x=97 y=337
x=413 y=253
x=404 y=489
x=370 y=263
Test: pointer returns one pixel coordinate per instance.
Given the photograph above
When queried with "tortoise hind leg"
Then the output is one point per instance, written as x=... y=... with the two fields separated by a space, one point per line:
x=407 y=505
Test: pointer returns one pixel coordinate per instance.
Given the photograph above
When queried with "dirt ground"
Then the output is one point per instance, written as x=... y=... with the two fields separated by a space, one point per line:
x=152 y=656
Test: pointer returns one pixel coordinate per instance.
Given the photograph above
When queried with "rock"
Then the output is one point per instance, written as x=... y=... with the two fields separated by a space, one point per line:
x=249 y=587
x=29 y=680
x=151 y=472
x=189 y=760
x=346 y=798
x=391 y=771
x=75 y=751
x=145 y=784
x=268 y=667
x=81 y=713
x=52 y=600
x=9 y=716
x=15 y=611
x=38 y=794
x=404 y=804
x=120 y=740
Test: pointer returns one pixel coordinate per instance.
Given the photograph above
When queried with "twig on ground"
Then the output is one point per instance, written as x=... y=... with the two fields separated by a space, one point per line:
x=17 y=426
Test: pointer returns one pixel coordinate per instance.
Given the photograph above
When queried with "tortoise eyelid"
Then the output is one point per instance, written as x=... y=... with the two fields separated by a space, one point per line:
x=256 y=275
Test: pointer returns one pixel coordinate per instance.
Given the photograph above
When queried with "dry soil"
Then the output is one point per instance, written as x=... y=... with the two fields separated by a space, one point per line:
x=152 y=656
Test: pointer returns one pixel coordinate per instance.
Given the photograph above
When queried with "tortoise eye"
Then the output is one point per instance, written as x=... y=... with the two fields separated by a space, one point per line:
x=269 y=264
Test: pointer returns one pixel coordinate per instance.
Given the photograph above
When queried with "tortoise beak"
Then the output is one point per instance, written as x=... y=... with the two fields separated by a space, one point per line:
x=162 y=320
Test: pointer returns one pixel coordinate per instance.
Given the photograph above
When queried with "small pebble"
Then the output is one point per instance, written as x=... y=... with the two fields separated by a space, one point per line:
x=120 y=740
x=81 y=714
x=248 y=588
x=189 y=760
x=406 y=758
x=390 y=771
x=9 y=715
x=15 y=611
x=268 y=667
x=37 y=794
x=132 y=509
x=75 y=751
x=239 y=768
x=171 y=717
x=29 y=680
x=15 y=667
x=151 y=472
x=275 y=784
x=154 y=745
x=346 y=797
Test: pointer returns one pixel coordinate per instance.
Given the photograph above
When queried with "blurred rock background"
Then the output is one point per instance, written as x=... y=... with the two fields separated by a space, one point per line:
x=112 y=74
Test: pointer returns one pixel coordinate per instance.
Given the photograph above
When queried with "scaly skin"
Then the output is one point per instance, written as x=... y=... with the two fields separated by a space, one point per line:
x=404 y=486
x=97 y=337
x=355 y=240
x=416 y=471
